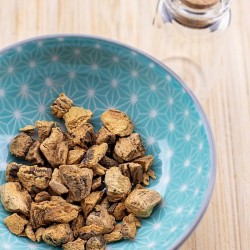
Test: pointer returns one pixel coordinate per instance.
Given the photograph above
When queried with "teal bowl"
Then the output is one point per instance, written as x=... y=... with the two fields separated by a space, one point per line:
x=99 y=74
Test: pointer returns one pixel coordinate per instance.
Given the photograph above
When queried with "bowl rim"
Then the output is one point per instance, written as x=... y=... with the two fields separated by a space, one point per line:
x=199 y=108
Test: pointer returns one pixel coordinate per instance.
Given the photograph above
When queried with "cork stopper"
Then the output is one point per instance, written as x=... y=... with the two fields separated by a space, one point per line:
x=200 y=4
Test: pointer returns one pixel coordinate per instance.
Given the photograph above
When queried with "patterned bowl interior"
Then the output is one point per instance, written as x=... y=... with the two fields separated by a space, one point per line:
x=99 y=74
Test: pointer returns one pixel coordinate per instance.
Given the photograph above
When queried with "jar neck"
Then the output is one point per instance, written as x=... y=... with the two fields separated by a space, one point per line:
x=216 y=17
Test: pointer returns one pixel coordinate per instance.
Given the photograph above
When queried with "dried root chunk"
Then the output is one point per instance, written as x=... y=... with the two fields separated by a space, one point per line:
x=42 y=196
x=115 y=235
x=104 y=135
x=39 y=233
x=95 y=243
x=117 y=158
x=119 y=211
x=99 y=170
x=14 y=199
x=90 y=202
x=15 y=223
x=30 y=233
x=87 y=232
x=76 y=117
x=34 y=178
x=78 y=244
x=77 y=223
x=105 y=203
x=151 y=173
x=56 y=183
x=58 y=234
x=44 y=129
x=101 y=218
x=145 y=161
x=108 y=162
x=75 y=156
x=11 y=172
x=84 y=136
x=133 y=171
x=141 y=202
x=94 y=155
x=49 y=145
x=61 y=106
x=20 y=145
x=78 y=180
x=145 y=179
x=118 y=185
x=129 y=148
x=117 y=122
x=34 y=154
x=61 y=153
x=29 y=129
x=96 y=183
x=46 y=212
x=57 y=198
x=128 y=228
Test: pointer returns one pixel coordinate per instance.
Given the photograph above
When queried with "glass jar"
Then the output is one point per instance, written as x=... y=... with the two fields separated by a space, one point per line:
x=194 y=35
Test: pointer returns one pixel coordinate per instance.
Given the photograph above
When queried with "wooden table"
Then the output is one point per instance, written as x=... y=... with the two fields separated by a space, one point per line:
x=226 y=225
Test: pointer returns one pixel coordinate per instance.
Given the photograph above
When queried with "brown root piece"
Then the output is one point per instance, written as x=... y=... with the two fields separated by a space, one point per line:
x=119 y=211
x=44 y=129
x=20 y=145
x=145 y=161
x=15 y=223
x=49 y=146
x=39 y=233
x=133 y=171
x=145 y=179
x=46 y=212
x=58 y=234
x=75 y=156
x=108 y=162
x=78 y=244
x=151 y=173
x=28 y=129
x=90 y=202
x=101 y=218
x=95 y=243
x=128 y=228
x=115 y=235
x=129 y=148
x=94 y=155
x=78 y=180
x=61 y=106
x=42 y=196
x=96 y=183
x=14 y=199
x=117 y=158
x=56 y=183
x=104 y=135
x=30 y=233
x=141 y=202
x=105 y=203
x=77 y=223
x=118 y=185
x=11 y=172
x=84 y=136
x=33 y=178
x=87 y=232
x=117 y=122
x=34 y=154
x=99 y=170
x=75 y=117
x=61 y=153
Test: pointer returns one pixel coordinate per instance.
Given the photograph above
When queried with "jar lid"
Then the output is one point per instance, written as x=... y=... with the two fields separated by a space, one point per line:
x=200 y=4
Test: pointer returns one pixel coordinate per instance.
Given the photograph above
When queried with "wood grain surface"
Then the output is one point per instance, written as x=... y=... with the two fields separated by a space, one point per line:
x=226 y=224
